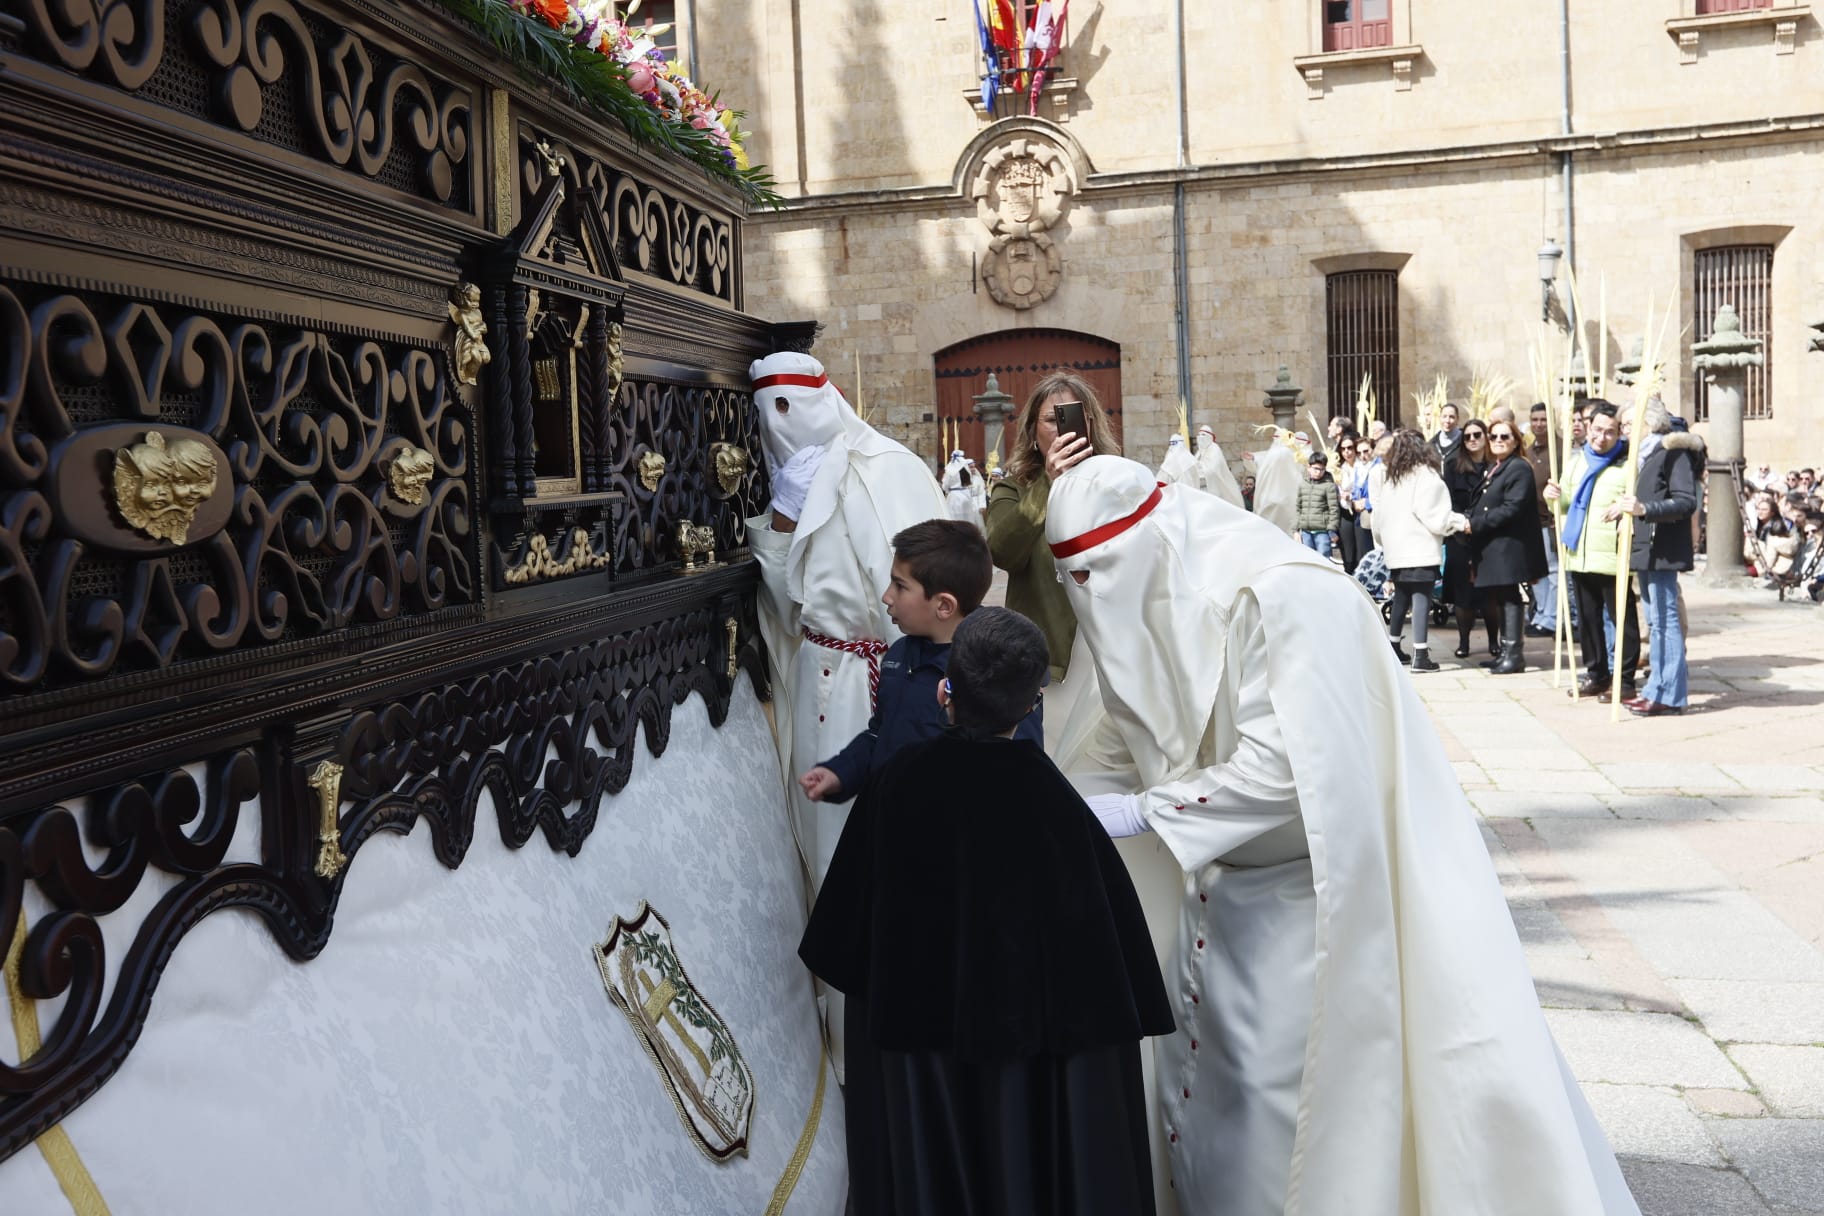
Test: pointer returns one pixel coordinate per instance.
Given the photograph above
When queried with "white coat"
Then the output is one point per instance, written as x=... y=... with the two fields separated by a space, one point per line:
x=1412 y=517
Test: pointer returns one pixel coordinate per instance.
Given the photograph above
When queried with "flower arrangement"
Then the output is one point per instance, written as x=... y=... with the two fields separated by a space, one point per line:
x=587 y=46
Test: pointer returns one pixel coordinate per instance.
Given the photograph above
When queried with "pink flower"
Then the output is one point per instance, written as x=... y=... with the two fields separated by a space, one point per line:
x=640 y=78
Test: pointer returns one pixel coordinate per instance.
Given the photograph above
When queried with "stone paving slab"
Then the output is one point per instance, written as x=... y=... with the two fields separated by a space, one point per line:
x=1640 y=1049
x=1532 y=759
x=1561 y=781
x=1652 y=1123
x=1728 y=1103
x=1684 y=956
x=1670 y=776
x=1742 y=1011
x=1469 y=773
x=1664 y=1189
x=1775 y=776
x=1782 y=1158
x=1663 y=806
x=1791 y=1079
x=1770 y=808
x=1564 y=981
x=1508 y=804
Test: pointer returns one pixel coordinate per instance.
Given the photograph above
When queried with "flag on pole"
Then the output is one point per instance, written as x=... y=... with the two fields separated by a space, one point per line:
x=1042 y=43
x=991 y=64
x=1005 y=26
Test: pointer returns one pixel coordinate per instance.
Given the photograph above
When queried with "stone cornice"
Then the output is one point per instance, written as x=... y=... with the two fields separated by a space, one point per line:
x=1269 y=172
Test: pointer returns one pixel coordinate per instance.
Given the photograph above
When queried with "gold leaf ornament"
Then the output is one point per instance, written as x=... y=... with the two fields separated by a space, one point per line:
x=160 y=484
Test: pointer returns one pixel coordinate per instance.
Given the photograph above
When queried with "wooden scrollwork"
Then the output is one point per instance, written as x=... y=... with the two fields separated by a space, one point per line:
x=428 y=755
x=362 y=107
x=314 y=433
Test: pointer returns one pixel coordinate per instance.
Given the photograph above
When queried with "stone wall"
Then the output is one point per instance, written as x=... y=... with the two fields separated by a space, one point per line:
x=1455 y=163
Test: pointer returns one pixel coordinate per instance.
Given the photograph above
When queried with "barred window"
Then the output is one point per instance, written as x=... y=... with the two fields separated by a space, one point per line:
x=1742 y=276
x=1362 y=323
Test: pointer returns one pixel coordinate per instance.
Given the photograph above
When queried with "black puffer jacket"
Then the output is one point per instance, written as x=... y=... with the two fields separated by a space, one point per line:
x=1669 y=487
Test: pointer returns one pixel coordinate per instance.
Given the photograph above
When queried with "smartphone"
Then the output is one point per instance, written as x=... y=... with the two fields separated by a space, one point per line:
x=1070 y=419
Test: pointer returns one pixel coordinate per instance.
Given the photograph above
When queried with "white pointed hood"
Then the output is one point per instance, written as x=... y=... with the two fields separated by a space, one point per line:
x=799 y=408
x=1164 y=567
x=1213 y=473
x=1179 y=465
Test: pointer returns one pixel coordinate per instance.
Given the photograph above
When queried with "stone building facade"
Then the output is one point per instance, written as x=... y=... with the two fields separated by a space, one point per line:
x=1437 y=158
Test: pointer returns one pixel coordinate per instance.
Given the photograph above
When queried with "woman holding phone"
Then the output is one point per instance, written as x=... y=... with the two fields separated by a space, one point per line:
x=1062 y=425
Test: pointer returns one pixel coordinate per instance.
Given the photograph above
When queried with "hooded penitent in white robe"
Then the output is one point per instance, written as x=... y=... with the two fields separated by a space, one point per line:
x=820 y=608
x=1358 y=1032
x=1179 y=466
x=1213 y=473
x=959 y=490
x=1276 y=475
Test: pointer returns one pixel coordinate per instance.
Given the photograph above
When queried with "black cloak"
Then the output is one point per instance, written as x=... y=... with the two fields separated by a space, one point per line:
x=999 y=976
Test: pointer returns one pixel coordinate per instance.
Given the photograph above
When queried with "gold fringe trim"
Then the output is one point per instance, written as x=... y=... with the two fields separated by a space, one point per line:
x=788 y=1182
x=66 y=1164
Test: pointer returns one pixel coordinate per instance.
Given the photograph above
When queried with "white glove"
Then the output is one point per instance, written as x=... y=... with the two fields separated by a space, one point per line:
x=1119 y=813
x=792 y=481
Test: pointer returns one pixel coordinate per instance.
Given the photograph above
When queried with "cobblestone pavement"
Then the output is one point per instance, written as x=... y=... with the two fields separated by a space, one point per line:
x=1667 y=880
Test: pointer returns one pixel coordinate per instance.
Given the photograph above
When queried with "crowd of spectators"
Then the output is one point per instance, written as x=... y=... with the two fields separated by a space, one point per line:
x=1783 y=524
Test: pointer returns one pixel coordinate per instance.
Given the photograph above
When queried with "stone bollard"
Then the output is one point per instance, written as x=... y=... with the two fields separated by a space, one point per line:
x=1723 y=361
x=1283 y=399
x=992 y=406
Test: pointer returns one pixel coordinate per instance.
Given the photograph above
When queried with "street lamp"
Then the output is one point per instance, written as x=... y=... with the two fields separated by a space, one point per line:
x=1549 y=253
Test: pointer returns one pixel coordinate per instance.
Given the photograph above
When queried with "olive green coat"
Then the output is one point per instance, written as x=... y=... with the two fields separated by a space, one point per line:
x=1016 y=538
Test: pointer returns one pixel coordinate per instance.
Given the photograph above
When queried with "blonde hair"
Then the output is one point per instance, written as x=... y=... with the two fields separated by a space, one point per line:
x=1027 y=462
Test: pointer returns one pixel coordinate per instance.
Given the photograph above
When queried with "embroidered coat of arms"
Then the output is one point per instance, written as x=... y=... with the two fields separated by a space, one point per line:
x=710 y=1084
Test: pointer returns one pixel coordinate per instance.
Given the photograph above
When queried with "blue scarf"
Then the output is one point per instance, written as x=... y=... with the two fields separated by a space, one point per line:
x=1593 y=465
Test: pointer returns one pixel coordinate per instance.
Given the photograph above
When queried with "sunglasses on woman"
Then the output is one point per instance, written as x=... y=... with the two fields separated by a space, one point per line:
x=1500 y=437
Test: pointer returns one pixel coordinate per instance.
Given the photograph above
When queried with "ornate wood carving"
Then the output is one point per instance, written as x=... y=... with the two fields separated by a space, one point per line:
x=654 y=231
x=429 y=755
x=681 y=423
x=289 y=74
x=302 y=535
x=234 y=225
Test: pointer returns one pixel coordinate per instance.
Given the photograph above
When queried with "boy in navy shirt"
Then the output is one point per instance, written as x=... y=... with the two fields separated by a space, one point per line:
x=941 y=572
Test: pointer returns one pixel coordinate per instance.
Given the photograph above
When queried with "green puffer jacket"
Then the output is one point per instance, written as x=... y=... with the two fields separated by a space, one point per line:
x=1595 y=552
x=1016 y=540
x=1318 y=506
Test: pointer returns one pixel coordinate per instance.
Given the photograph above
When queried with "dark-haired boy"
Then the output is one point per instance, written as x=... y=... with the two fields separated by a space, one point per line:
x=997 y=967
x=941 y=572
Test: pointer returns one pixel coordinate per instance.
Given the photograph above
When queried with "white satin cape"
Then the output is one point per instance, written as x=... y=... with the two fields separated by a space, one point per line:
x=1431 y=1085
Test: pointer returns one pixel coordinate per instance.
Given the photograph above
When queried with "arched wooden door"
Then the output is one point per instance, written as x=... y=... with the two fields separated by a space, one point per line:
x=1019 y=359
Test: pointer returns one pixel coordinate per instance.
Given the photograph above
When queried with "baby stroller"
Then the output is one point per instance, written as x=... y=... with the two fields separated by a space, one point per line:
x=1373 y=577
